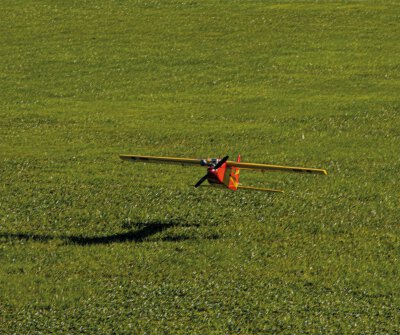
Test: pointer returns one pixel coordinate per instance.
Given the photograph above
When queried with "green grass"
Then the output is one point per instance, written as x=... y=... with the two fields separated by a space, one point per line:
x=91 y=244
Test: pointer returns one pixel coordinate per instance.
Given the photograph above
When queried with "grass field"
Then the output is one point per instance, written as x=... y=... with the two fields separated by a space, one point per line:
x=91 y=244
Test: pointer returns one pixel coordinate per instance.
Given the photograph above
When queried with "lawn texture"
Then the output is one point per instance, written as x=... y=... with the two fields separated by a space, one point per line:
x=91 y=244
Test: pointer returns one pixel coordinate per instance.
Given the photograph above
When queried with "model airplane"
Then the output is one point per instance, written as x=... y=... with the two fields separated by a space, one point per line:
x=221 y=172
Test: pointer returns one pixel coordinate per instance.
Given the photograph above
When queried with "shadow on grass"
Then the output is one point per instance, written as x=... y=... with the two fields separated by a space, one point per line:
x=144 y=231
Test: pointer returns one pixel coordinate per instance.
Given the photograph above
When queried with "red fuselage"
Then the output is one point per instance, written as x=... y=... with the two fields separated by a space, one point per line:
x=224 y=175
x=216 y=176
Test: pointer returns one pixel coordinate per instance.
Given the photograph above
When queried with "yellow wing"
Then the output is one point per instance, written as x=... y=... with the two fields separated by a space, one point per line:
x=269 y=167
x=203 y=162
x=165 y=160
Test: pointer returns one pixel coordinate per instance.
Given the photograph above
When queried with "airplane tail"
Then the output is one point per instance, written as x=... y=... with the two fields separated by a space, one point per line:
x=233 y=182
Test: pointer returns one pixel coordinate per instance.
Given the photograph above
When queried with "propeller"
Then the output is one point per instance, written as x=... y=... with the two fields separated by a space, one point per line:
x=215 y=167
x=201 y=181
x=221 y=162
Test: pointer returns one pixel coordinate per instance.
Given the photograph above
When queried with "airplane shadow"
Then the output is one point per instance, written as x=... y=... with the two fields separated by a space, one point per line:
x=144 y=231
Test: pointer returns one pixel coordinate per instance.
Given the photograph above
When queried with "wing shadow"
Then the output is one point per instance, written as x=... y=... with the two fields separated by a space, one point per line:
x=145 y=231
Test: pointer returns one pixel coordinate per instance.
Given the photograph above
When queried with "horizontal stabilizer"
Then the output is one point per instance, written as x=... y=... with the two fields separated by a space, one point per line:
x=259 y=189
